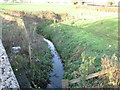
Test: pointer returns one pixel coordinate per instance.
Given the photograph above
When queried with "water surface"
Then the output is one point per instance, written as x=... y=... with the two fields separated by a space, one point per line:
x=57 y=74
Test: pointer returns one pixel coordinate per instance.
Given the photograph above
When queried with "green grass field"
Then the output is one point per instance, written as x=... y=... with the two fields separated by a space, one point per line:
x=97 y=37
x=94 y=37
x=57 y=8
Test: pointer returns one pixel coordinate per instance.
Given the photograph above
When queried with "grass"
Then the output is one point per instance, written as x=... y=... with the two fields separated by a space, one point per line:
x=94 y=37
x=90 y=32
x=66 y=34
x=57 y=8
x=13 y=35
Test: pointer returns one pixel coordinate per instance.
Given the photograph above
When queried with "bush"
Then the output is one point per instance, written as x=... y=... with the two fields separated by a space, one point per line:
x=75 y=3
x=113 y=77
x=111 y=3
x=86 y=68
x=39 y=73
x=14 y=35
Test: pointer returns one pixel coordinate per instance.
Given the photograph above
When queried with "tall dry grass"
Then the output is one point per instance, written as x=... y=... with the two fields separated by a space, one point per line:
x=99 y=8
x=13 y=36
x=113 y=77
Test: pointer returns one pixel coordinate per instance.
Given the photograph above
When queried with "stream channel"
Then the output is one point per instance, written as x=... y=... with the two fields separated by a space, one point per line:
x=56 y=74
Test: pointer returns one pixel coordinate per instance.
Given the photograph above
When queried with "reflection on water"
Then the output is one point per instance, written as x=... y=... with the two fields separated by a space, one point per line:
x=58 y=71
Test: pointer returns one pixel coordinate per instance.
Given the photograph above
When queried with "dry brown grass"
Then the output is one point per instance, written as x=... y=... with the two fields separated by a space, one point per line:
x=113 y=78
x=12 y=35
x=44 y=15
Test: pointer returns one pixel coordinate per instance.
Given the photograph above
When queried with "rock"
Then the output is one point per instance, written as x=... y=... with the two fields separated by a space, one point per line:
x=16 y=49
x=7 y=77
x=49 y=86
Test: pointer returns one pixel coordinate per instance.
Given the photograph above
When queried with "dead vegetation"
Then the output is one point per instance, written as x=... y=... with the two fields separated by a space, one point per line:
x=109 y=76
x=99 y=8
x=113 y=77
x=21 y=31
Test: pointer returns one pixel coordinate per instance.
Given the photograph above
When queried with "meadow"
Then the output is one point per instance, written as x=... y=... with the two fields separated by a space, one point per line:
x=82 y=38
x=94 y=39
x=57 y=8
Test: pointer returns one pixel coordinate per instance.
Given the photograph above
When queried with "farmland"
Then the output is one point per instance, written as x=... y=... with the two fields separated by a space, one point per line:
x=82 y=37
x=57 y=8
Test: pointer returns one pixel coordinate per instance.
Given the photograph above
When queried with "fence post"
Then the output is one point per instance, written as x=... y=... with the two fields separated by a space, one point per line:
x=65 y=83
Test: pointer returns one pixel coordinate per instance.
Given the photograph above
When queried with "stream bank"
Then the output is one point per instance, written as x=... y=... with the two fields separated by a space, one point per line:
x=71 y=40
x=79 y=45
x=38 y=74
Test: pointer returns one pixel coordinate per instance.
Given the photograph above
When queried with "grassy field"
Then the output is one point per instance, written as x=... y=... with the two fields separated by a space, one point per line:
x=88 y=34
x=94 y=37
x=57 y=8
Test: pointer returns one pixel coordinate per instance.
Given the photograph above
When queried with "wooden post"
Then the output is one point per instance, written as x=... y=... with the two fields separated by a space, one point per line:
x=94 y=75
x=65 y=83
x=54 y=20
x=22 y=25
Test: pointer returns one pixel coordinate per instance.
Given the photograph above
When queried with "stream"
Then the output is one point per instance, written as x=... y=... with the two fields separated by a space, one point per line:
x=57 y=74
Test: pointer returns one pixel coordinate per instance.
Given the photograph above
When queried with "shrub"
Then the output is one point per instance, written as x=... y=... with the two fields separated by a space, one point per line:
x=39 y=73
x=75 y=3
x=110 y=3
x=86 y=68
x=113 y=77
x=47 y=15
x=15 y=35
x=12 y=36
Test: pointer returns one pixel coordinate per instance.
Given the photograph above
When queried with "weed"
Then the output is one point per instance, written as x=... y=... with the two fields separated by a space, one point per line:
x=113 y=76
x=84 y=36
x=14 y=35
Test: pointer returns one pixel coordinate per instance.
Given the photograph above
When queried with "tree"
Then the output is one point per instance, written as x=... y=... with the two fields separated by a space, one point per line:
x=78 y=1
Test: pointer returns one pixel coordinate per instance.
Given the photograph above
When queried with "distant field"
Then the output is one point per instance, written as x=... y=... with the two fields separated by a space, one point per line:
x=57 y=8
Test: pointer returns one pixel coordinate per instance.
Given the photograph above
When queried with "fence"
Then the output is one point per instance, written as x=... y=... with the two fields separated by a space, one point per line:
x=110 y=68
